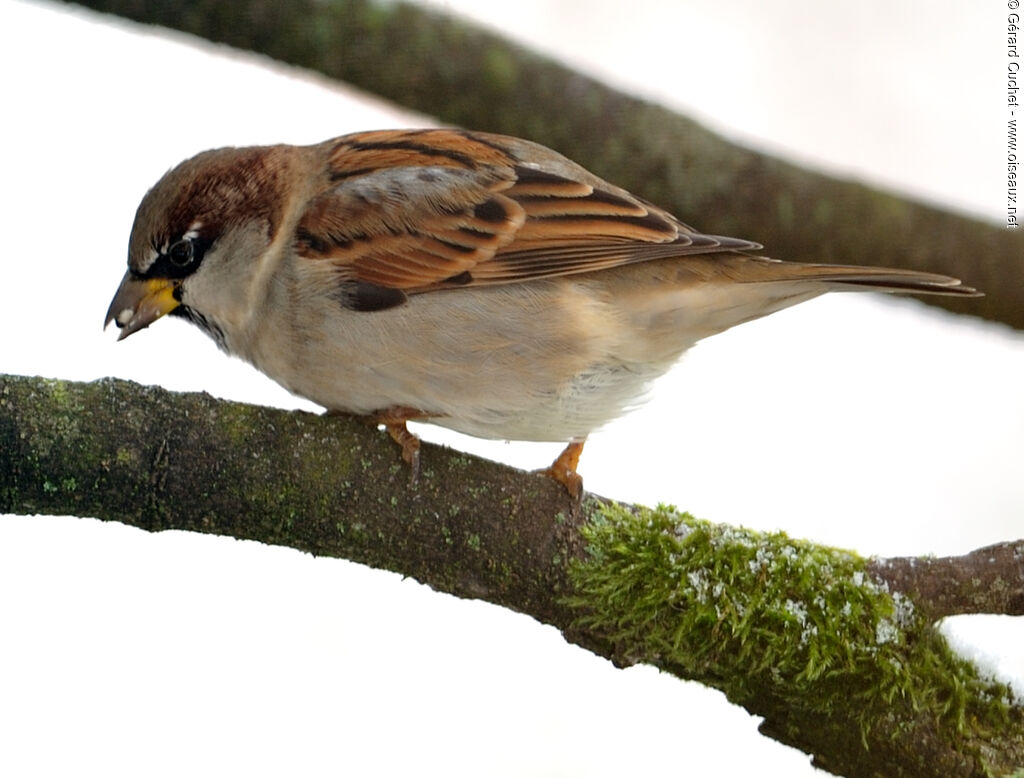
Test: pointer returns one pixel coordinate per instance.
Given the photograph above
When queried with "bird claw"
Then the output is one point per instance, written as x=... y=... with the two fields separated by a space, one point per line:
x=563 y=469
x=410 y=445
x=394 y=420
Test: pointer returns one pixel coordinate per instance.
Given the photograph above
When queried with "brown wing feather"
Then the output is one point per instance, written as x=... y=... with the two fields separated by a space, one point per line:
x=422 y=210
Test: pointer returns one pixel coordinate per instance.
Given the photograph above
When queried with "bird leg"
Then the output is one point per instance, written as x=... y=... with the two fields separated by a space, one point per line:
x=563 y=469
x=410 y=447
x=394 y=420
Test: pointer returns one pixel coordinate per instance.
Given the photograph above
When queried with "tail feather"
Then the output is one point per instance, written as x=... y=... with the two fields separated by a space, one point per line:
x=856 y=277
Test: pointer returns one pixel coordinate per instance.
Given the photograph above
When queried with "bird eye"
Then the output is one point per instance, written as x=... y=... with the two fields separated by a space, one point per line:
x=181 y=253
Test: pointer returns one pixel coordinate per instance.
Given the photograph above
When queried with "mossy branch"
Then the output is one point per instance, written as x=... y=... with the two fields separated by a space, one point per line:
x=838 y=654
x=466 y=76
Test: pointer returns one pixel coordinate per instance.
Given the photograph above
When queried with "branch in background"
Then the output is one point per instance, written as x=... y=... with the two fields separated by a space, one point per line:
x=838 y=655
x=469 y=77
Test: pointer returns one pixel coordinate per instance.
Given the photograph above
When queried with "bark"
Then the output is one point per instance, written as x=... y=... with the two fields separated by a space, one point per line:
x=466 y=76
x=988 y=580
x=803 y=648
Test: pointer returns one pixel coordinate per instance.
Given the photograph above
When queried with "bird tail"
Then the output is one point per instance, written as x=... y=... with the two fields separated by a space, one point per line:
x=860 y=278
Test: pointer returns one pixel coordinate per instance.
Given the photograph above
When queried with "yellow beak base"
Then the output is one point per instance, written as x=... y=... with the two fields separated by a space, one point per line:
x=137 y=304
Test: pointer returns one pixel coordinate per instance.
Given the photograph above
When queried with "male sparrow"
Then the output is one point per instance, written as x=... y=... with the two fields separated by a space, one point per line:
x=476 y=281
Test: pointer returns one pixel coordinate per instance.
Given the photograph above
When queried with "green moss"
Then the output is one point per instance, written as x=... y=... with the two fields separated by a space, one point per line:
x=762 y=616
x=59 y=392
x=234 y=420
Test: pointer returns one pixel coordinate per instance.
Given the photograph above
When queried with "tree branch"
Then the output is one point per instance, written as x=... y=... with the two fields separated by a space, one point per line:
x=987 y=580
x=448 y=68
x=838 y=654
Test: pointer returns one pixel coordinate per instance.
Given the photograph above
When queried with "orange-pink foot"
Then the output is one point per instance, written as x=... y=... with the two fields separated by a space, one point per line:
x=563 y=469
x=394 y=419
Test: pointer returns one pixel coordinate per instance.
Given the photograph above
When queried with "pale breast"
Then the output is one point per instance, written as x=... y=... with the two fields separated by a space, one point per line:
x=547 y=360
x=539 y=361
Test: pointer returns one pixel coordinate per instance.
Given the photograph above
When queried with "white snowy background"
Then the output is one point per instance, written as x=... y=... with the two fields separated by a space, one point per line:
x=861 y=421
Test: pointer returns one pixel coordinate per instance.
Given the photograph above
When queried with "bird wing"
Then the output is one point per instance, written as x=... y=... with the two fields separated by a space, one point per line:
x=405 y=212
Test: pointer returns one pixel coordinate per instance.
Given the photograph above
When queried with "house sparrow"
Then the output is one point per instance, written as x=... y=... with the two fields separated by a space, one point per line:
x=479 y=282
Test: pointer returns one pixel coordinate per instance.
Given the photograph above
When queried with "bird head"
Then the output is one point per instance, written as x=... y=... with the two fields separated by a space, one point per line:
x=199 y=238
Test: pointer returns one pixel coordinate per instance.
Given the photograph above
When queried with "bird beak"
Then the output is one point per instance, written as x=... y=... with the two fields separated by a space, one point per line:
x=138 y=304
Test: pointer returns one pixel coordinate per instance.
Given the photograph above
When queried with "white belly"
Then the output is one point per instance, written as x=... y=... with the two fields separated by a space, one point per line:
x=548 y=360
